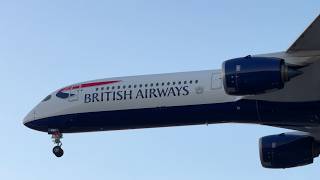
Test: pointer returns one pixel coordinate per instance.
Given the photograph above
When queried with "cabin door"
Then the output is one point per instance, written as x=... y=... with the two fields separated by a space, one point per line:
x=74 y=93
x=216 y=82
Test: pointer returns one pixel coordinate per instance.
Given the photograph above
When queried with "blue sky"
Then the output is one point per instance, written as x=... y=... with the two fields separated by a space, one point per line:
x=45 y=45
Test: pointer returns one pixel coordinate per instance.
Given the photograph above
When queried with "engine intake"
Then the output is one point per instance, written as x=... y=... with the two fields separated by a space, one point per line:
x=287 y=150
x=255 y=75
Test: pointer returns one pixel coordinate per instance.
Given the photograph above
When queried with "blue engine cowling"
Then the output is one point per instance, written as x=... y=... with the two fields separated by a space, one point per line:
x=287 y=150
x=255 y=75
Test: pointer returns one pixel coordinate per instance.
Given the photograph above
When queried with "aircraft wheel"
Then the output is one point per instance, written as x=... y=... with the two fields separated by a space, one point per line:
x=58 y=151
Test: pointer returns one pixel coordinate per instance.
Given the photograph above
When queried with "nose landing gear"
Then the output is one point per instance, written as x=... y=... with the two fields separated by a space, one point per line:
x=56 y=138
x=58 y=151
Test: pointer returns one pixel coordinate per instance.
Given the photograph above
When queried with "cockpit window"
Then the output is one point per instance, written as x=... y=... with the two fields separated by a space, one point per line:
x=46 y=98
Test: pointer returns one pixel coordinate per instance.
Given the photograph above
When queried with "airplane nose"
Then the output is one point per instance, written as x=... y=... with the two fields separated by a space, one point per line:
x=32 y=122
x=29 y=117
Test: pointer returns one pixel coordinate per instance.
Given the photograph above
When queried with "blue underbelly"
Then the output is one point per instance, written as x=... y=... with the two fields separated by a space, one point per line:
x=243 y=111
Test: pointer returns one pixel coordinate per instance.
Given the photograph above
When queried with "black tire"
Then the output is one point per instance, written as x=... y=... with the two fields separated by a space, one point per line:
x=58 y=151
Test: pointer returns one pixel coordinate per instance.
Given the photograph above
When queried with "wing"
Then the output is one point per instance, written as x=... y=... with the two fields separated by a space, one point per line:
x=309 y=129
x=309 y=40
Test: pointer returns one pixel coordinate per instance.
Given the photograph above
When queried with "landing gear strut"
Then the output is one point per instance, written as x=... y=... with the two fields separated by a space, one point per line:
x=56 y=138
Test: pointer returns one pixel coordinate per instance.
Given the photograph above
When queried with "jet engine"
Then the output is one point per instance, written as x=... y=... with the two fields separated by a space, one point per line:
x=255 y=75
x=287 y=150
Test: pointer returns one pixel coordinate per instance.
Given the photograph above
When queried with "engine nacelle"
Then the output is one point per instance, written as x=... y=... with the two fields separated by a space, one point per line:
x=287 y=150
x=255 y=75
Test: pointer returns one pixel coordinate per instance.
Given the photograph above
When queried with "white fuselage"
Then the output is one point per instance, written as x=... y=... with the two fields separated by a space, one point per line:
x=146 y=91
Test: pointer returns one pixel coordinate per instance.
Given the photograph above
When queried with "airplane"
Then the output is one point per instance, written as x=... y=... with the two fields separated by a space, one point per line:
x=278 y=89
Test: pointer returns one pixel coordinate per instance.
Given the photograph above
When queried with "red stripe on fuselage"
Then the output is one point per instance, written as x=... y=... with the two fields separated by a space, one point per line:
x=88 y=85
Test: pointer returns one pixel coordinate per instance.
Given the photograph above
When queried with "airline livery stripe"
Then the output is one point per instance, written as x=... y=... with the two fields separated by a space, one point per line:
x=88 y=85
